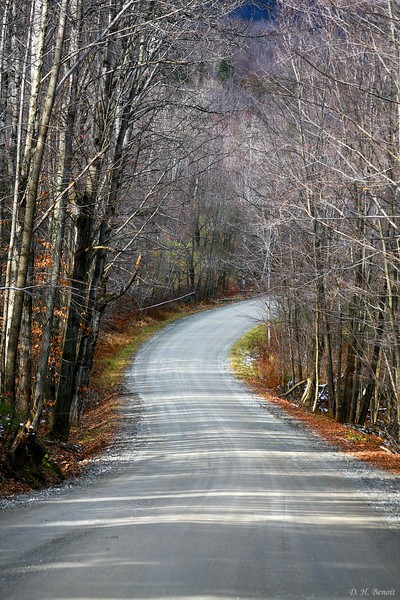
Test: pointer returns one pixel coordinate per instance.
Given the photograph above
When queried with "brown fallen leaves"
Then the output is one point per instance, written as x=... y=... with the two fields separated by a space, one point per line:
x=93 y=435
x=366 y=447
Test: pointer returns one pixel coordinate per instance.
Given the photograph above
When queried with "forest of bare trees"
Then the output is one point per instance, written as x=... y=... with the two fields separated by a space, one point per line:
x=109 y=144
x=164 y=149
x=324 y=174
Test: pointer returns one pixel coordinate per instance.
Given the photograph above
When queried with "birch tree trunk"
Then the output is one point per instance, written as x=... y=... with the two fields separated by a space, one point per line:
x=30 y=196
x=65 y=158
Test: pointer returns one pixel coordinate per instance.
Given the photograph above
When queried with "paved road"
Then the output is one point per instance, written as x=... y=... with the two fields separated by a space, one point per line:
x=223 y=500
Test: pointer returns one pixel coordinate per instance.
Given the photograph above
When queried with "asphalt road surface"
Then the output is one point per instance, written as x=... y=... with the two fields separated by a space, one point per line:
x=222 y=499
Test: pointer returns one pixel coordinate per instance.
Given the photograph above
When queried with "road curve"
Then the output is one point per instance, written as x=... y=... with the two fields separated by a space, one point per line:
x=223 y=500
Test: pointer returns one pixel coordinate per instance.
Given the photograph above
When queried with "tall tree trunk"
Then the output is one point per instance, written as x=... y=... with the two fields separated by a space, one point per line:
x=370 y=387
x=24 y=398
x=18 y=85
x=65 y=158
x=68 y=373
x=30 y=205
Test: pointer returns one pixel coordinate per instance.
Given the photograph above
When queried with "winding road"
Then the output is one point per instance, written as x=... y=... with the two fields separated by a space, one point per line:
x=222 y=498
